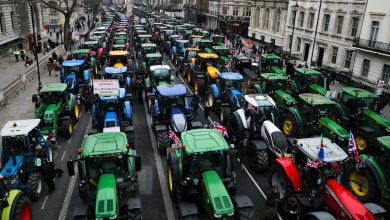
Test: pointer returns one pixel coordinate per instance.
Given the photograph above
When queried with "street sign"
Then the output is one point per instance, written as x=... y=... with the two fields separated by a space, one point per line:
x=106 y=87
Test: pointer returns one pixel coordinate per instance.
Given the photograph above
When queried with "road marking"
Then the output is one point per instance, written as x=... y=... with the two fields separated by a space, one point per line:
x=160 y=171
x=63 y=155
x=75 y=126
x=69 y=140
x=69 y=191
x=44 y=202
x=55 y=155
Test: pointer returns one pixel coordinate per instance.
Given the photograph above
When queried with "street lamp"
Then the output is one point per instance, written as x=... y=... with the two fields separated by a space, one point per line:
x=295 y=9
x=35 y=51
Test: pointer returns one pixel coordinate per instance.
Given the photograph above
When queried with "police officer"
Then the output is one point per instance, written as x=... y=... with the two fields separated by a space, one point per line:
x=16 y=53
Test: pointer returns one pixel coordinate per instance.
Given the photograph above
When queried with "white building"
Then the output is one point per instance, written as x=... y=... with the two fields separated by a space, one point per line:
x=372 y=62
x=326 y=40
x=268 y=22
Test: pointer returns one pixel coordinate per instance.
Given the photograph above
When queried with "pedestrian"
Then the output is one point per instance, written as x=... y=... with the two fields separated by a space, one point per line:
x=57 y=36
x=273 y=198
x=291 y=208
x=140 y=88
x=50 y=65
x=60 y=60
x=207 y=111
x=16 y=53
x=195 y=104
x=28 y=61
x=254 y=49
x=333 y=77
x=22 y=54
x=49 y=172
x=54 y=55
x=306 y=66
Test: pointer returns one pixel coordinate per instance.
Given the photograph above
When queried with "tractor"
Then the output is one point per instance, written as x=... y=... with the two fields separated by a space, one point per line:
x=100 y=48
x=201 y=178
x=223 y=55
x=205 y=45
x=57 y=109
x=15 y=205
x=146 y=49
x=75 y=75
x=188 y=60
x=218 y=40
x=118 y=58
x=194 y=39
x=178 y=50
x=248 y=70
x=159 y=75
x=151 y=59
x=204 y=72
x=356 y=113
x=226 y=92
x=108 y=184
x=309 y=80
x=122 y=75
x=270 y=60
x=86 y=55
x=170 y=109
x=23 y=149
x=142 y=39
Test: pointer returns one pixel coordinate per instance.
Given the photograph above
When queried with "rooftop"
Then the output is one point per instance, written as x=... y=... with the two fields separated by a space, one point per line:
x=54 y=87
x=203 y=140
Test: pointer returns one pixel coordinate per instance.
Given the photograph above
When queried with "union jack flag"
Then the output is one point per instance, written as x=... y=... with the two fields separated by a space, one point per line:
x=251 y=107
x=220 y=128
x=312 y=163
x=174 y=137
x=352 y=149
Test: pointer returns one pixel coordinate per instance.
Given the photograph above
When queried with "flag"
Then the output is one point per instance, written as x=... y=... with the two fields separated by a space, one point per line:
x=251 y=107
x=352 y=149
x=220 y=128
x=225 y=42
x=321 y=153
x=312 y=163
x=174 y=137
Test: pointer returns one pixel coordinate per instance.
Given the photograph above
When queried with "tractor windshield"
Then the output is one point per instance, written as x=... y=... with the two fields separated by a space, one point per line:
x=233 y=84
x=273 y=85
x=191 y=54
x=71 y=69
x=198 y=163
x=97 y=166
x=161 y=73
x=209 y=62
x=14 y=145
x=355 y=105
x=154 y=61
x=81 y=56
x=150 y=50
x=118 y=60
x=51 y=97
x=182 y=44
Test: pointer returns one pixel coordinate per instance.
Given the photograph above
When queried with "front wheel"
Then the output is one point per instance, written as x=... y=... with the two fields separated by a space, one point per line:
x=279 y=178
x=162 y=142
x=363 y=184
x=259 y=160
x=21 y=209
x=34 y=186
x=290 y=125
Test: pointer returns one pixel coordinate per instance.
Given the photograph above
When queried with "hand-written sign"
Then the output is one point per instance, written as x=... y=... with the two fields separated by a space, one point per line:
x=106 y=87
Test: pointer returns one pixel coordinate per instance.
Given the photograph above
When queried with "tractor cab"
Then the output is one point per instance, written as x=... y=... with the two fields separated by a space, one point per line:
x=179 y=47
x=99 y=48
x=86 y=55
x=121 y=74
x=204 y=71
x=260 y=107
x=120 y=35
x=142 y=39
x=74 y=74
x=118 y=58
x=218 y=40
x=159 y=75
x=118 y=47
x=247 y=68
x=270 y=60
x=223 y=55
x=194 y=39
x=147 y=48
x=190 y=55
x=152 y=59
x=309 y=80
x=204 y=45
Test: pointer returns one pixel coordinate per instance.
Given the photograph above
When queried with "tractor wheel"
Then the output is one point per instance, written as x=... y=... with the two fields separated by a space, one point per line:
x=211 y=100
x=83 y=192
x=225 y=114
x=258 y=160
x=362 y=184
x=76 y=111
x=130 y=138
x=34 y=186
x=246 y=213
x=290 y=126
x=22 y=208
x=134 y=214
x=152 y=121
x=67 y=128
x=189 y=76
x=173 y=176
x=364 y=141
x=199 y=86
x=162 y=142
x=280 y=179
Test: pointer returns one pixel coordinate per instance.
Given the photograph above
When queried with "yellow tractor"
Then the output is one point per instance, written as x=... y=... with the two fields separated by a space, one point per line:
x=117 y=58
x=203 y=72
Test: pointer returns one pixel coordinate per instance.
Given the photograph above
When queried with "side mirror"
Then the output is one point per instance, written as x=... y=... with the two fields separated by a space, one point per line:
x=69 y=165
x=34 y=98
x=137 y=161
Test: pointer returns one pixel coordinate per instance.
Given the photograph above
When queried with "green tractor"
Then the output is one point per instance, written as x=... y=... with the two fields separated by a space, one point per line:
x=146 y=49
x=371 y=182
x=57 y=109
x=312 y=116
x=270 y=60
x=356 y=113
x=86 y=55
x=218 y=40
x=108 y=184
x=201 y=180
x=159 y=75
x=309 y=80
x=223 y=55
x=151 y=59
x=205 y=45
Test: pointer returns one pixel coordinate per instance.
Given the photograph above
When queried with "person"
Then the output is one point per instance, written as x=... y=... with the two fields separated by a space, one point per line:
x=28 y=61
x=50 y=65
x=57 y=36
x=195 y=104
x=273 y=198
x=49 y=172
x=207 y=111
x=140 y=88
x=254 y=49
x=51 y=138
x=60 y=60
x=22 y=54
x=54 y=55
x=333 y=77
x=291 y=208
x=16 y=53
x=306 y=66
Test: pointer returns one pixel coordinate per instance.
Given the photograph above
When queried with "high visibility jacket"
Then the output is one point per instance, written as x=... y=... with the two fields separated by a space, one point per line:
x=16 y=52
x=22 y=52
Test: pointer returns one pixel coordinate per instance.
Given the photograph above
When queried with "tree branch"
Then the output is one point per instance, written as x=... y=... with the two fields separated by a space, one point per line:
x=53 y=7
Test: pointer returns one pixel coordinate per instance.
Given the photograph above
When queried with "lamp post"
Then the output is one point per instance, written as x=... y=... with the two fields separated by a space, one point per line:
x=30 y=3
x=295 y=9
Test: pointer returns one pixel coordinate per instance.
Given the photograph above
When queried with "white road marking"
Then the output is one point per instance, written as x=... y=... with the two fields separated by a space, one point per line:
x=69 y=140
x=75 y=126
x=44 y=202
x=55 y=155
x=63 y=155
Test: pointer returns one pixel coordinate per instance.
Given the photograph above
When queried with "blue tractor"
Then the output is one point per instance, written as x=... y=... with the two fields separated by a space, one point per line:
x=114 y=112
x=178 y=50
x=170 y=109
x=120 y=73
x=75 y=74
x=23 y=149
x=226 y=94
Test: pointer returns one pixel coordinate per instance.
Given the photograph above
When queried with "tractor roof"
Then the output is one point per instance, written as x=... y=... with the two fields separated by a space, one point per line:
x=196 y=36
x=148 y=45
x=358 y=93
x=99 y=32
x=105 y=144
x=119 y=45
x=316 y=99
x=307 y=71
x=203 y=140
x=260 y=100
x=231 y=76
x=91 y=42
x=144 y=36
x=172 y=90
x=81 y=51
x=19 y=127
x=205 y=41
x=153 y=55
x=71 y=63
x=384 y=141
x=192 y=48
x=217 y=35
x=269 y=56
x=118 y=53
x=113 y=70
x=154 y=67
x=54 y=87
x=208 y=55
x=182 y=41
x=220 y=48
x=311 y=146
x=273 y=76
x=120 y=33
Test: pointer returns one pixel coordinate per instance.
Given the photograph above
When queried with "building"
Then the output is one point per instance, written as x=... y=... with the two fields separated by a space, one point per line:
x=267 y=23
x=189 y=10
x=201 y=9
x=229 y=15
x=324 y=32
x=372 y=46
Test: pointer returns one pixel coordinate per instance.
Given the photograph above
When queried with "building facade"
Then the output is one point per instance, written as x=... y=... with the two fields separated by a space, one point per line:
x=267 y=23
x=189 y=10
x=324 y=32
x=372 y=46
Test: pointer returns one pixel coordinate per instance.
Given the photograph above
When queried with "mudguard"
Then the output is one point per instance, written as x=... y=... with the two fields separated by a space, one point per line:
x=161 y=128
x=259 y=144
x=86 y=75
x=315 y=88
x=71 y=101
x=128 y=111
x=13 y=195
x=215 y=90
x=242 y=201
x=334 y=128
x=81 y=210
x=236 y=98
x=375 y=169
x=298 y=116
x=134 y=203
x=291 y=171
x=281 y=97
x=187 y=209
x=258 y=89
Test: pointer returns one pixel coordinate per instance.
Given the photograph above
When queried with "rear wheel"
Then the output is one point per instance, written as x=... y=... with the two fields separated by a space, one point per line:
x=67 y=128
x=134 y=214
x=363 y=141
x=258 y=160
x=280 y=179
x=76 y=111
x=173 y=176
x=22 y=209
x=363 y=184
x=246 y=213
x=290 y=126
x=34 y=186
x=162 y=142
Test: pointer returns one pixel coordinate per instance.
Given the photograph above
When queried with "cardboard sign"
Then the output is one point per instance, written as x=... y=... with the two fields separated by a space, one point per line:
x=111 y=129
x=106 y=87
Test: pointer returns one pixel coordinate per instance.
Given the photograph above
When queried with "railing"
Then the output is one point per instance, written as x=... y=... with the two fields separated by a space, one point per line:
x=372 y=45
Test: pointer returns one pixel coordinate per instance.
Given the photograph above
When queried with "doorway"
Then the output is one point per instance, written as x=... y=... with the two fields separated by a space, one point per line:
x=307 y=49
x=320 y=56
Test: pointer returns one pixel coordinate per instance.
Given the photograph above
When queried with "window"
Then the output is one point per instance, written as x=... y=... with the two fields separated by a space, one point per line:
x=257 y=17
x=301 y=18
x=53 y=21
x=224 y=10
x=386 y=73
x=348 y=59
x=334 y=55
x=339 y=24
x=2 y=22
x=354 y=26
x=373 y=33
x=13 y=20
x=299 y=42
x=311 y=20
x=293 y=16
x=248 y=11
x=266 y=19
x=365 y=67
x=235 y=11
x=325 y=23
x=277 y=21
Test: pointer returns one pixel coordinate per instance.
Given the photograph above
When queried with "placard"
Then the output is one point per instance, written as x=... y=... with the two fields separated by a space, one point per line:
x=106 y=87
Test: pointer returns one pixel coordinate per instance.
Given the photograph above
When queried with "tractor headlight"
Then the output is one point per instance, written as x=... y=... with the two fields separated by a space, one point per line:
x=10 y=181
x=217 y=216
x=231 y=214
x=112 y=217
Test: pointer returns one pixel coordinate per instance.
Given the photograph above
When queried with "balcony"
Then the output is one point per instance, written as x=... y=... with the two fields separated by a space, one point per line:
x=375 y=46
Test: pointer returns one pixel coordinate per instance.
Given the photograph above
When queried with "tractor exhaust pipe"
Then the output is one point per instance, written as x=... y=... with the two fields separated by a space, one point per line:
x=13 y=157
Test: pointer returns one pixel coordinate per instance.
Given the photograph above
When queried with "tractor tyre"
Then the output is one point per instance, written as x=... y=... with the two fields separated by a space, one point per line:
x=364 y=142
x=34 y=186
x=134 y=214
x=199 y=86
x=84 y=193
x=173 y=176
x=280 y=179
x=162 y=142
x=130 y=139
x=225 y=115
x=211 y=100
x=258 y=160
x=246 y=213
x=22 y=208
x=362 y=184
x=189 y=76
x=76 y=111
x=190 y=217
x=67 y=128
x=290 y=125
